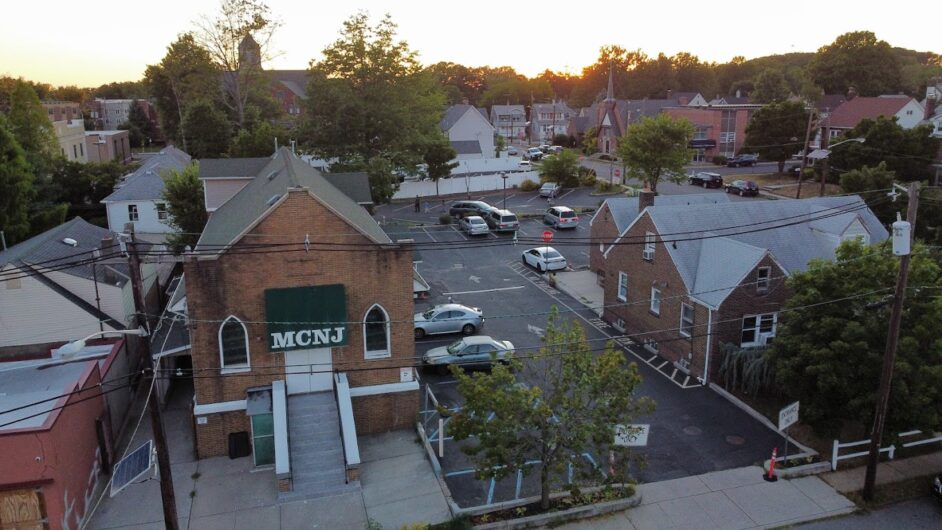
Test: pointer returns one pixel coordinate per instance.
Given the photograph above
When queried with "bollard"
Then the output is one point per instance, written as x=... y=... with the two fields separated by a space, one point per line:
x=771 y=476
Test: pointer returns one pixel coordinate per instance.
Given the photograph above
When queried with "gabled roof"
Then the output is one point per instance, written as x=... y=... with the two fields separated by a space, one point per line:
x=147 y=182
x=452 y=115
x=723 y=262
x=466 y=147
x=624 y=210
x=214 y=168
x=852 y=112
x=354 y=185
x=509 y=110
x=830 y=102
x=284 y=172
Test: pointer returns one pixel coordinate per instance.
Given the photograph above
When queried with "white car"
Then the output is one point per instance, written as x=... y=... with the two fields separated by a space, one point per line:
x=544 y=259
x=561 y=217
x=474 y=225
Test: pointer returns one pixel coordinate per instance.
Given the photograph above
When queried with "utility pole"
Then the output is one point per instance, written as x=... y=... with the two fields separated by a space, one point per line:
x=156 y=421
x=825 y=134
x=889 y=356
x=804 y=152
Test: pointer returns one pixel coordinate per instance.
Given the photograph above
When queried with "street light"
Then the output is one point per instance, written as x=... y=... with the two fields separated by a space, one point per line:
x=503 y=176
x=821 y=154
x=71 y=348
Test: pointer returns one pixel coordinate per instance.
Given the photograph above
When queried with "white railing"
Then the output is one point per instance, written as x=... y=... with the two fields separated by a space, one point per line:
x=907 y=434
x=279 y=404
x=348 y=428
x=836 y=457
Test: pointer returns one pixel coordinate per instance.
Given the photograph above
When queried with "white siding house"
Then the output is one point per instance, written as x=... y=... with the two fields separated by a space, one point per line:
x=469 y=132
x=138 y=197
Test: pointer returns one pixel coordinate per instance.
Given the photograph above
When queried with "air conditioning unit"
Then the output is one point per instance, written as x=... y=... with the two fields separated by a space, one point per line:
x=648 y=254
x=766 y=338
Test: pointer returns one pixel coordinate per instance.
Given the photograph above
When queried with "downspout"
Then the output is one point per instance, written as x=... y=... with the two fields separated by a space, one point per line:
x=709 y=344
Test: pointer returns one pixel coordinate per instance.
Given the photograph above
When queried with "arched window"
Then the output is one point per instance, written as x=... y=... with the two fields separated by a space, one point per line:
x=233 y=344
x=376 y=333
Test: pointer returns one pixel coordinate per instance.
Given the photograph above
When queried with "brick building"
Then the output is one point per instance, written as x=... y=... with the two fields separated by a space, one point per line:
x=682 y=281
x=718 y=130
x=296 y=320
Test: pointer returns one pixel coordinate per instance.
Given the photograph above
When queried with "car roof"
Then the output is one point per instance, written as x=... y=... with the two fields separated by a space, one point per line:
x=502 y=212
x=471 y=218
x=545 y=184
x=452 y=307
x=709 y=173
x=544 y=249
x=480 y=339
x=562 y=208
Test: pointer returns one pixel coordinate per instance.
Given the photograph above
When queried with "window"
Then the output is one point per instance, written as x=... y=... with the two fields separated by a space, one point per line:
x=81 y=149
x=161 y=211
x=233 y=345
x=622 y=286
x=763 y=279
x=263 y=439
x=648 y=252
x=74 y=150
x=758 y=330
x=686 y=320
x=132 y=212
x=376 y=333
x=655 y=301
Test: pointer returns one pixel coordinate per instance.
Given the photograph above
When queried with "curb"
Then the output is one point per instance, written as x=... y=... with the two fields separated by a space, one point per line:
x=759 y=417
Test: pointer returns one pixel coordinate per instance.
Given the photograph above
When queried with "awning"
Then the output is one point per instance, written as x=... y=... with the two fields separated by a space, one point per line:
x=702 y=144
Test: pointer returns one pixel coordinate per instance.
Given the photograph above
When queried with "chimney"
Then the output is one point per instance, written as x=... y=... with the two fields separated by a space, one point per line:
x=738 y=93
x=851 y=93
x=645 y=198
x=464 y=101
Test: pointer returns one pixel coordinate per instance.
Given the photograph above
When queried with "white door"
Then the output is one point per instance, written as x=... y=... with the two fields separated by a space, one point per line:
x=308 y=371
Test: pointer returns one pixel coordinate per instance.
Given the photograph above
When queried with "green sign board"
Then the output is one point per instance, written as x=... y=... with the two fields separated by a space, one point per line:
x=301 y=318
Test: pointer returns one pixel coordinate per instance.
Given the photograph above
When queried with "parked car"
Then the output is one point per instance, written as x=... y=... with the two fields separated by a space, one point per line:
x=545 y=148
x=555 y=149
x=502 y=221
x=742 y=161
x=936 y=487
x=512 y=151
x=743 y=188
x=550 y=189
x=707 y=179
x=525 y=164
x=448 y=318
x=795 y=169
x=561 y=217
x=461 y=209
x=534 y=153
x=474 y=225
x=544 y=259
x=477 y=351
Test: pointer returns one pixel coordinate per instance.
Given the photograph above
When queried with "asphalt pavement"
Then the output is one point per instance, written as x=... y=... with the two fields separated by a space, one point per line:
x=916 y=514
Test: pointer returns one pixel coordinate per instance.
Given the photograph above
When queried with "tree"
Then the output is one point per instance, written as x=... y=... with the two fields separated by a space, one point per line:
x=562 y=168
x=693 y=75
x=774 y=131
x=140 y=129
x=208 y=130
x=383 y=181
x=30 y=124
x=369 y=97
x=856 y=59
x=570 y=405
x=239 y=25
x=907 y=152
x=656 y=148
x=183 y=193
x=652 y=78
x=770 y=86
x=829 y=355
x=499 y=144
x=440 y=159
x=258 y=141
x=15 y=186
x=185 y=75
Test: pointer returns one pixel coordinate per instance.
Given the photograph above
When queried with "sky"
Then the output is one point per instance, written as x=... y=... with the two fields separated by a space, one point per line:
x=64 y=43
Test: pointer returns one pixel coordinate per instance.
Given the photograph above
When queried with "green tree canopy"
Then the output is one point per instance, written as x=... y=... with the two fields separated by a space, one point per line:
x=30 y=124
x=258 y=140
x=907 y=152
x=776 y=131
x=856 y=59
x=208 y=129
x=829 y=355
x=562 y=169
x=656 y=148
x=440 y=158
x=770 y=86
x=569 y=405
x=15 y=186
x=141 y=131
x=186 y=209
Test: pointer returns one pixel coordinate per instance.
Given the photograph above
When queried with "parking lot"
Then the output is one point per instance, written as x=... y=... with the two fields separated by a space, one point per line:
x=693 y=430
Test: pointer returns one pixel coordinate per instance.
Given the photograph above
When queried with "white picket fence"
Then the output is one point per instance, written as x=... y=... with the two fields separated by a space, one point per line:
x=890 y=450
x=462 y=184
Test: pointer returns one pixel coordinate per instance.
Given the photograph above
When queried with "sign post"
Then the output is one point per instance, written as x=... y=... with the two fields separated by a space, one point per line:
x=787 y=417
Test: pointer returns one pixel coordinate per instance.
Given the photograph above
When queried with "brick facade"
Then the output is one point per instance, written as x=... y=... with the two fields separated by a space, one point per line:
x=235 y=284
x=602 y=231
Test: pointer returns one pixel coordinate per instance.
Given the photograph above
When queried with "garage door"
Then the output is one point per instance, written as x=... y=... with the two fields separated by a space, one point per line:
x=308 y=371
x=22 y=510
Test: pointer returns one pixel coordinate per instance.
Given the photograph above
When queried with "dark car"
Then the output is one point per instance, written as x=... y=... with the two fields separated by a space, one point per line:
x=461 y=209
x=707 y=180
x=936 y=487
x=743 y=188
x=742 y=161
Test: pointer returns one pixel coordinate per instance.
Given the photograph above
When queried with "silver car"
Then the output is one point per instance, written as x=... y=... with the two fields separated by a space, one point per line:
x=474 y=225
x=448 y=318
x=479 y=351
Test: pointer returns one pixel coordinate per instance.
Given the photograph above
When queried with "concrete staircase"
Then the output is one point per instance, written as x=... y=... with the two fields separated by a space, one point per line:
x=316 y=449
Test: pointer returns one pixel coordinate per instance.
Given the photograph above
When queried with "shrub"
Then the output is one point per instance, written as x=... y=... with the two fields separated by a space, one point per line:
x=444 y=219
x=720 y=160
x=603 y=186
x=587 y=176
x=562 y=139
x=529 y=185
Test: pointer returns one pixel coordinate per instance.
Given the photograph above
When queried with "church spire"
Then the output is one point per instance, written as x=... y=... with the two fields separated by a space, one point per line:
x=610 y=95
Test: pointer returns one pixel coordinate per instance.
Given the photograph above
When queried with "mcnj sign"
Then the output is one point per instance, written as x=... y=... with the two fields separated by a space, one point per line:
x=289 y=340
x=306 y=317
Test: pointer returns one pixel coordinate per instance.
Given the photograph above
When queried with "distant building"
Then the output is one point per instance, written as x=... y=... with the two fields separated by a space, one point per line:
x=548 y=120
x=63 y=110
x=718 y=129
x=108 y=146
x=287 y=87
x=509 y=121
x=469 y=132
x=110 y=114
x=71 y=137
x=907 y=111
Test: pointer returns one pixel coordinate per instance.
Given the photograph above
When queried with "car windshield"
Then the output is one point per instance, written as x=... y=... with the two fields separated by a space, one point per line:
x=552 y=254
x=455 y=347
x=428 y=314
x=548 y=186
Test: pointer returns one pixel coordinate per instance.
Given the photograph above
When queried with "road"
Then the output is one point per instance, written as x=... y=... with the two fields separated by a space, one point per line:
x=606 y=169
x=917 y=514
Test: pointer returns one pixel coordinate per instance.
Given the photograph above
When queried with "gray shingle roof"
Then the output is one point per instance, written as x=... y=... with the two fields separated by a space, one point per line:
x=624 y=210
x=452 y=115
x=466 y=147
x=172 y=334
x=214 y=168
x=283 y=172
x=147 y=182
x=354 y=185
x=714 y=262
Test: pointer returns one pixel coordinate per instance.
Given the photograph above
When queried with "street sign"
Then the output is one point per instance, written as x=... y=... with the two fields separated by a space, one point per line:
x=632 y=435
x=788 y=416
x=547 y=236
x=617 y=172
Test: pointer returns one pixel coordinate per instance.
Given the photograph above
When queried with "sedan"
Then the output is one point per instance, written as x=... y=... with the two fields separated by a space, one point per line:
x=707 y=180
x=448 y=318
x=473 y=225
x=550 y=189
x=480 y=351
x=743 y=188
x=544 y=259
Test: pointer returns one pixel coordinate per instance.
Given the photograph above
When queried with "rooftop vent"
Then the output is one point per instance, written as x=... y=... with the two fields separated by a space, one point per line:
x=69 y=241
x=274 y=199
x=272 y=175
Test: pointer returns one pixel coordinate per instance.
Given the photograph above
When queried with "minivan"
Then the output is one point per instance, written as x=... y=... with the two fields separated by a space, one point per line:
x=502 y=221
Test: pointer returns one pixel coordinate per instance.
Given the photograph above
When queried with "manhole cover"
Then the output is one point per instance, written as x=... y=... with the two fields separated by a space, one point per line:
x=692 y=431
x=732 y=439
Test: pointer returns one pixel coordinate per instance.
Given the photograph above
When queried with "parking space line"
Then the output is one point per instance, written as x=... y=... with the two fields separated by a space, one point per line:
x=404 y=207
x=429 y=235
x=486 y=290
x=564 y=194
x=492 y=235
x=459 y=233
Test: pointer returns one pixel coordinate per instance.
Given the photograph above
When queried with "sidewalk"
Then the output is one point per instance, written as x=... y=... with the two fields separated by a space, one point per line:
x=584 y=287
x=732 y=499
x=852 y=479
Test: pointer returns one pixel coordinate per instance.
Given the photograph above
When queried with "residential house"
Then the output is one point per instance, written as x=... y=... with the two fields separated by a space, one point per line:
x=907 y=111
x=469 y=132
x=510 y=121
x=718 y=130
x=616 y=214
x=287 y=87
x=683 y=281
x=71 y=137
x=108 y=146
x=57 y=433
x=548 y=120
x=138 y=197
x=933 y=112
x=737 y=99
x=317 y=329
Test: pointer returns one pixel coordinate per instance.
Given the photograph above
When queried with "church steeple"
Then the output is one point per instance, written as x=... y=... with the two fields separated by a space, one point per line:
x=250 y=53
x=610 y=95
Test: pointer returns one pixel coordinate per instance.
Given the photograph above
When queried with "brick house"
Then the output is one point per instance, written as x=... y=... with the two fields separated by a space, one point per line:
x=720 y=277
x=299 y=322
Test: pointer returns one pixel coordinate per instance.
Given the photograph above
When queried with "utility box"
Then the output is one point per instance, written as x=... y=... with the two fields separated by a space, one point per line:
x=902 y=239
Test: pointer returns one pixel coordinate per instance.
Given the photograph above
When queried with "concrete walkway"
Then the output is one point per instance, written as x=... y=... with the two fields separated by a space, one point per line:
x=732 y=499
x=852 y=479
x=583 y=286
